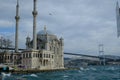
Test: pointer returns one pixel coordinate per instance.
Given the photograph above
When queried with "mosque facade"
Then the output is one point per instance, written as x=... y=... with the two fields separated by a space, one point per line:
x=49 y=52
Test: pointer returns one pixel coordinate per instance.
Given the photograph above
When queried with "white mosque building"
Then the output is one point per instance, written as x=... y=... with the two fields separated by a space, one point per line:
x=49 y=52
x=44 y=51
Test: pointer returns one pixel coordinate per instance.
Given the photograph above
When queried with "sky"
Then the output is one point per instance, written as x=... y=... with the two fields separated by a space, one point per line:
x=84 y=24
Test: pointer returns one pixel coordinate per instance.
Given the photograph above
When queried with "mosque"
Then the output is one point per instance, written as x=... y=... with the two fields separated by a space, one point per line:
x=49 y=52
x=44 y=51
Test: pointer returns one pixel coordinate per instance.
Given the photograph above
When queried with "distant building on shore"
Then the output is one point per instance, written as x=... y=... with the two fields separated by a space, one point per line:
x=44 y=51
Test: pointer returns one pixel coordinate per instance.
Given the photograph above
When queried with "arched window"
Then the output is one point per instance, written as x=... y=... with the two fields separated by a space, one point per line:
x=29 y=55
x=54 y=49
x=14 y=57
x=40 y=55
x=44 y=55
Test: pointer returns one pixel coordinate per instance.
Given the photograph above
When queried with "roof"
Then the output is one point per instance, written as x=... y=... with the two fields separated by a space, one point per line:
x=43 y=32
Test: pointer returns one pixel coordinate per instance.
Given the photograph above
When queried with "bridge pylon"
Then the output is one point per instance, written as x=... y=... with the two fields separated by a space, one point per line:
x=101 y=54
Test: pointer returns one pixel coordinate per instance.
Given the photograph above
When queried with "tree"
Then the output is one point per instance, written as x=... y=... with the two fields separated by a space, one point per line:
x=5 y=43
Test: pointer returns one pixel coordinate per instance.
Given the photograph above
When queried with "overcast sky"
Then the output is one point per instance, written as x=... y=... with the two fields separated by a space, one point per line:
x=84 y=24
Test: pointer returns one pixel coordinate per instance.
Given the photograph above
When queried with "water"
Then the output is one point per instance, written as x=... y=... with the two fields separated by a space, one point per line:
x=89 y=73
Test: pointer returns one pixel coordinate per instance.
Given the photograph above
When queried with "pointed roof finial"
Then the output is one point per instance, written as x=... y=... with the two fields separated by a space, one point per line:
x=117 y=8
x=17 y=8
x=45 y=28
x=117 y=4
x=17 y=2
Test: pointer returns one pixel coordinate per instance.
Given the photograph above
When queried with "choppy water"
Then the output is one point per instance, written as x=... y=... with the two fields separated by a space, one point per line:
x=90 y=73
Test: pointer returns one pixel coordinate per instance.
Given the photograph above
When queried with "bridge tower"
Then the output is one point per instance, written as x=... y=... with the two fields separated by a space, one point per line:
x=101 y=54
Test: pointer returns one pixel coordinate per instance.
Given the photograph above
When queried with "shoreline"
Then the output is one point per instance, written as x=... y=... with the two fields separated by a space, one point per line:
x=38 y=71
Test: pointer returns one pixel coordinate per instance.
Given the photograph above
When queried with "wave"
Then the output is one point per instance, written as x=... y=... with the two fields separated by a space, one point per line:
x=111 y=68
x=6 y=74
x=94 y=69
x=65 y=76
x=33 y=75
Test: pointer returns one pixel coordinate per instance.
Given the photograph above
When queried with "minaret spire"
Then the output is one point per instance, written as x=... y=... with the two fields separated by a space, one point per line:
x=117 y=9
x=18 y=2
x=117 y=3
x=45 y=29
x=17 y=24
x=34 y=24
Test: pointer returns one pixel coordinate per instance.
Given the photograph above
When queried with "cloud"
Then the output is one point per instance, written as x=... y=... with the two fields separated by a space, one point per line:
x=6 y=24
x=84 y=24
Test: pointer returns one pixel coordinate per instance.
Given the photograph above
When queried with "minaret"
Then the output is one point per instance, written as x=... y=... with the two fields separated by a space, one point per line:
x=27 y=42
x=118 y=19
x=17 y=22
x=45 y=29
x=62 y=52
x=47 y=46
x=34 y=25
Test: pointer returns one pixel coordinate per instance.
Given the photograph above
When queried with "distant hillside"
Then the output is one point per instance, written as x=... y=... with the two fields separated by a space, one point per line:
x=111 y=57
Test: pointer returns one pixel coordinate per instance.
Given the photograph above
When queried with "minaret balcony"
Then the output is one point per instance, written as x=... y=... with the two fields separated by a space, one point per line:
x=17 y=17
x=34 y=13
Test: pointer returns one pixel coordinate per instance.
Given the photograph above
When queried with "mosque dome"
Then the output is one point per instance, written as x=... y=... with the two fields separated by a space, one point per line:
x=43 y=32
